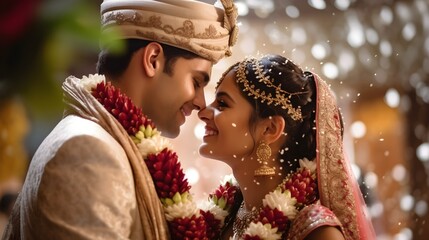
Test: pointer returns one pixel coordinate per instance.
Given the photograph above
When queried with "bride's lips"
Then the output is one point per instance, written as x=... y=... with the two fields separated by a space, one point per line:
x=210 y=131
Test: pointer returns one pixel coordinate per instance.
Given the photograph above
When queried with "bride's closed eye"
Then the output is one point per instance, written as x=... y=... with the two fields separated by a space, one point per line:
x=223 y=100
x=221 y=104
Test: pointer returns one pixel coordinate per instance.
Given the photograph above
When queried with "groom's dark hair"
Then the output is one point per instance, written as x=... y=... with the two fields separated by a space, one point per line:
x=114 y=64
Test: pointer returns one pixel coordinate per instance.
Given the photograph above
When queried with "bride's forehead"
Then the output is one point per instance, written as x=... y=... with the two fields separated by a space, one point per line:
x=228 y=71
x=227 y=83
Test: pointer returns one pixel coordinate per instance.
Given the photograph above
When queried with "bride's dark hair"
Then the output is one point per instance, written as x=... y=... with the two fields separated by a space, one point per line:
x=300 y=135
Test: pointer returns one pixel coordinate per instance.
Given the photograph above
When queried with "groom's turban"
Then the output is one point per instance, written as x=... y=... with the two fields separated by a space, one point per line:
x=198 y=27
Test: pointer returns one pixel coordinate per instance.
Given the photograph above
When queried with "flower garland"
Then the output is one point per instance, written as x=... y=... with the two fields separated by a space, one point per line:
x=185 y=219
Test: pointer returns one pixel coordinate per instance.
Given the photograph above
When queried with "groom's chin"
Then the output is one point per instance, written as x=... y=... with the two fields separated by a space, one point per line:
x=170 y=133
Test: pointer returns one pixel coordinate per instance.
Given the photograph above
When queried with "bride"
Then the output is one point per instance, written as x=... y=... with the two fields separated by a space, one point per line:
x=280 y=131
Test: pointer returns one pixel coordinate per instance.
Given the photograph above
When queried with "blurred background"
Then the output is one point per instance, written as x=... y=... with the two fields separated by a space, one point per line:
x=374 y=53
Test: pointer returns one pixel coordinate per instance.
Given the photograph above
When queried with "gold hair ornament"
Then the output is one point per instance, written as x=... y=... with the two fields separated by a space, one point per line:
x=263 y=153
x=282 y=97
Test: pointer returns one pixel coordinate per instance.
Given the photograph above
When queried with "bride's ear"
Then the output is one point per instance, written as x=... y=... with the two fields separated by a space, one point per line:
x=272 y=128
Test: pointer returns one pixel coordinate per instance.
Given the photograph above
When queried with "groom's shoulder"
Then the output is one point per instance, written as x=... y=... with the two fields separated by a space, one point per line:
x=75 y=130
x=76 y=140
x=74 y=126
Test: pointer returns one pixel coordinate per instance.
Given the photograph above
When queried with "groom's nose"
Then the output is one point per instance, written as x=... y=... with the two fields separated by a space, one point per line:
x=199 y=101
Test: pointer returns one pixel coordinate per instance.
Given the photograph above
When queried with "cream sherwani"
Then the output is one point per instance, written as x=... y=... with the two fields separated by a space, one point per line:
x=79 y=186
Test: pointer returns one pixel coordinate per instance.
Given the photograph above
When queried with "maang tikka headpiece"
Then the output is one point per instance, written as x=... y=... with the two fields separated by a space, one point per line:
x=281 y=97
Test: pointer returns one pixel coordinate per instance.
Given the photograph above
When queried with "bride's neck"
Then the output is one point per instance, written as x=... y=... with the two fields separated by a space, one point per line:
x=254 y=188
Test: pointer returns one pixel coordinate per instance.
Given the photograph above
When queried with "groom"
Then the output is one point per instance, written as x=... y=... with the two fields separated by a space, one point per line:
x=86 y=181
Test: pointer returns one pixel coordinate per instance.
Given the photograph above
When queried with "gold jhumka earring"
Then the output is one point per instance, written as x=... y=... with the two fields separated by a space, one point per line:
x=263 y=153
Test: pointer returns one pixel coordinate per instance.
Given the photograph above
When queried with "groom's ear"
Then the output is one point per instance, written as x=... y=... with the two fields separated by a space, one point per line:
x=272 y=128
x=152 y=58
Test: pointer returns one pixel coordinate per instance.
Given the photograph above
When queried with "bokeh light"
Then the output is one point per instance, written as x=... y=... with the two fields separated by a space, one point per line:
x=292 y=11
x=358 y=129
x=423 y=152
x=192 y=175
x=392 y=98
x=330 y=70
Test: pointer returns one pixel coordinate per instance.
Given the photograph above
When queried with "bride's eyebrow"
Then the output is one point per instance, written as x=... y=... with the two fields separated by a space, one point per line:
x=225 y=95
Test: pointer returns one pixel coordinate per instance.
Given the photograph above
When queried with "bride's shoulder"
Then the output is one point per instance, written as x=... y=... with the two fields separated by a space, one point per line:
x=310 y=218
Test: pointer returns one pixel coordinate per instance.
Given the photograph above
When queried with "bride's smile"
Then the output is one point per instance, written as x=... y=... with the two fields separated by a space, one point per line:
x=226 y=136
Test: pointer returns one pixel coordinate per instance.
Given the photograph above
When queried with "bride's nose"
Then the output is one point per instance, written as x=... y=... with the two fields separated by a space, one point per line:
x=206 y=114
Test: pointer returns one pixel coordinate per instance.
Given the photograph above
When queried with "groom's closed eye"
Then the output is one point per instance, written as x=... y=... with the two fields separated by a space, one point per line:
x=201 y=78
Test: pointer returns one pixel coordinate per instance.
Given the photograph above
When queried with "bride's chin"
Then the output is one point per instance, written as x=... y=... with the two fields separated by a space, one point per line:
x=206 y=151
x=203 y=149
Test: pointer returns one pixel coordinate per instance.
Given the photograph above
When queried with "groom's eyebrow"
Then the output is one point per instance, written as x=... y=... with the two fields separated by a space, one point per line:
x=224 y=94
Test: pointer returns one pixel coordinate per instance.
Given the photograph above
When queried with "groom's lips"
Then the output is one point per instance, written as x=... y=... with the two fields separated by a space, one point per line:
x=185 y=112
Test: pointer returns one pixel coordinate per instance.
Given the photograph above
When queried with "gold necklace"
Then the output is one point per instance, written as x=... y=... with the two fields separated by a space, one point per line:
x=243 y=219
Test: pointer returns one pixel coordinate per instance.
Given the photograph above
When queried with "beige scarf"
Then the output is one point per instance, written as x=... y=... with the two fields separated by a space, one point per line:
x=80 y=102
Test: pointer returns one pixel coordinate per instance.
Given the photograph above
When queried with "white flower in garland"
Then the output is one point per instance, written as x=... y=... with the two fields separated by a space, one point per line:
x=91 y=81
x=305 y=163
x=218 y=213
x=263 y=231
x=283 y=201
x=229 y=178
x=153 y=145
x=180 y=210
